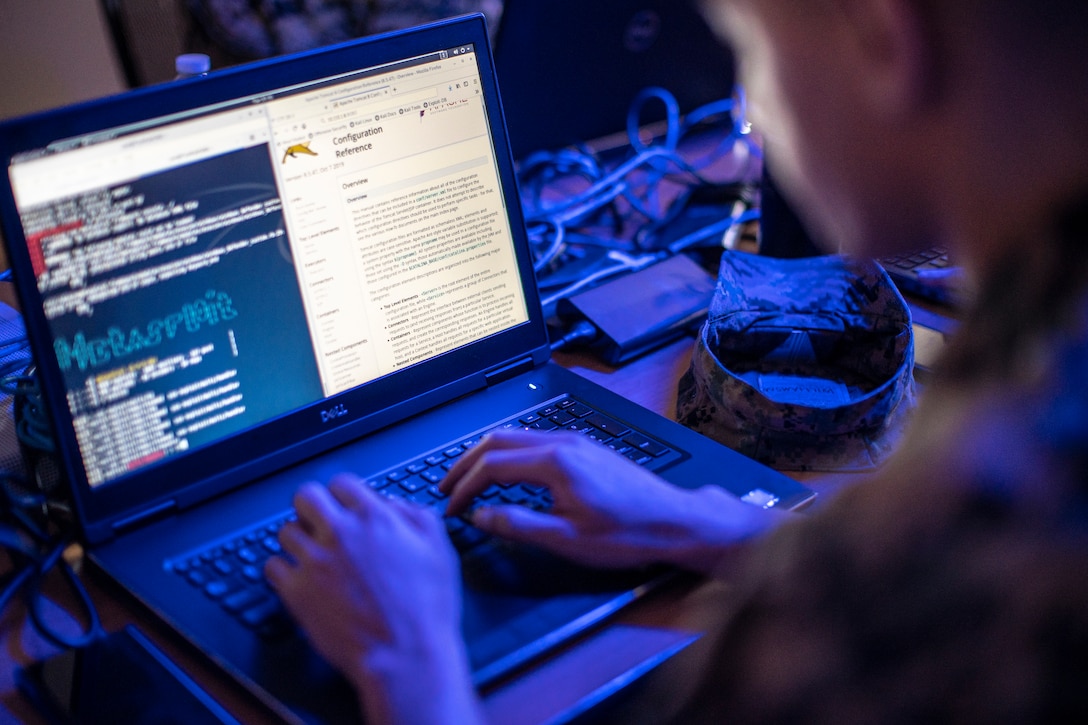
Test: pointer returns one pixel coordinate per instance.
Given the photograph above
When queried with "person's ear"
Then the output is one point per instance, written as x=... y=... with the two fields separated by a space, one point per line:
x=899 y=51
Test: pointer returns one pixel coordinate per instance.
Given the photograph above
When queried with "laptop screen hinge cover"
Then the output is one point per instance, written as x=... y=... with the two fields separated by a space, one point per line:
x=146 y=516
x=509 y=370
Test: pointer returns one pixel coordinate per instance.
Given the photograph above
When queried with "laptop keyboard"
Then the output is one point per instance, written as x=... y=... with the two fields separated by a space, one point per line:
x=904 y=269
x=232 y=571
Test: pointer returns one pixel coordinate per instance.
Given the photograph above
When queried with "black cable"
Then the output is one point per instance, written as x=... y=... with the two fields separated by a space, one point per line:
x=31 y=420
x=35 y=547
x=554 y=222
x=93 y=628
x=581 y=332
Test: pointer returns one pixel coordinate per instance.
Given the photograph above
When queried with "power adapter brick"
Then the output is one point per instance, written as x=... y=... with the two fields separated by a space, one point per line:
x=643 y=310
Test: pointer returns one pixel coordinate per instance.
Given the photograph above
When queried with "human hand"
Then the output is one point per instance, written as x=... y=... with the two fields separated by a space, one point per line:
x=374 y=584
x=607 y=510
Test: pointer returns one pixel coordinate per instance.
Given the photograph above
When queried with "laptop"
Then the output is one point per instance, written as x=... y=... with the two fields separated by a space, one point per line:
x=569 y=70
x=316 y=263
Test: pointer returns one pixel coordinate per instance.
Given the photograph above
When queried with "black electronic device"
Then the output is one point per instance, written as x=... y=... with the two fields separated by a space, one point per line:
x=569 y=69
x=645 y=309
x=929 y=275
x=119 y=678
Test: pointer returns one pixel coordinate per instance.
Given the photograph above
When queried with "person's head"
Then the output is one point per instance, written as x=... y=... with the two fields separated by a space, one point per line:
x=895 y=124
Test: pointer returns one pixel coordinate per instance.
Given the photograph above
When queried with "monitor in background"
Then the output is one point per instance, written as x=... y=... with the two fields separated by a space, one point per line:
x=569 y=69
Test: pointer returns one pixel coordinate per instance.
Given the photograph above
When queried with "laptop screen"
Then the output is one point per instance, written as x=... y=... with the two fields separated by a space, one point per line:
x=223 y=265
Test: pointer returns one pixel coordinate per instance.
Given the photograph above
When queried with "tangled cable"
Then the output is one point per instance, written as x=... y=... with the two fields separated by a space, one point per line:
x=35 y=543
x=612 y=200
x=34 y=552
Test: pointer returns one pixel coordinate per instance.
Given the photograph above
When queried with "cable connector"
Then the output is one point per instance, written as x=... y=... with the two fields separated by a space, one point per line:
x=583 y=331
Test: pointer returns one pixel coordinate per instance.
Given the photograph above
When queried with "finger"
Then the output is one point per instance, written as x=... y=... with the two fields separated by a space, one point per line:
x=523 y=525
x=295 y=541
x=351 y=492
x=495 y=466
x=496 y=440
x=279 y=572
x=420 y=518
x=467 y=460
x=285 y=581
x=316 y=508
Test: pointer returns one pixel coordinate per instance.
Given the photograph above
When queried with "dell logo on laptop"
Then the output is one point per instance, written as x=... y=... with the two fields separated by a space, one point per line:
x=333 y=413
x=642 y=31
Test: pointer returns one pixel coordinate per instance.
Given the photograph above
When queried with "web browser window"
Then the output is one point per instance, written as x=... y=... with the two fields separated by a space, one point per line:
x=399 y=168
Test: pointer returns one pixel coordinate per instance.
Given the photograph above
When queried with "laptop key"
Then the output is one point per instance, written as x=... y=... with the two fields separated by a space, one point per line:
x=610 y=426
x=598 y=435
x=268 y=619
x=413 y=484
x=645 y=444
x=467 y=536
x=248 y=555
x=578 y=410
x=217 y=588
x=618 y=445
x=242 y=599
x=515 y=495
x=223 y=567
x=433 y=475
x=562 y=418
x=422 y=497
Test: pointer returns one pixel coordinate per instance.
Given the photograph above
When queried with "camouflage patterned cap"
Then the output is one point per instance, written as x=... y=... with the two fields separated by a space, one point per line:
x=802 y=364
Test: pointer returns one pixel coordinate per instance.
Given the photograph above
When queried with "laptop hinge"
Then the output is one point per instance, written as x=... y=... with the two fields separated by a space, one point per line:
x=144 y=517
x=509 y=370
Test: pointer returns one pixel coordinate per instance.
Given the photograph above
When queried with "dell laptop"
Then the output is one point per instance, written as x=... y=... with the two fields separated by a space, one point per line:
x=317 y=263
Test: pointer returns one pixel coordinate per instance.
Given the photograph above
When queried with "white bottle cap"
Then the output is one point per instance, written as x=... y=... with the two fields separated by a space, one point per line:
x=192 y=64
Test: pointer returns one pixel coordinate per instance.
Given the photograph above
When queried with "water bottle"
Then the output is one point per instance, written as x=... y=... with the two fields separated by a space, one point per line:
x=189 y=65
